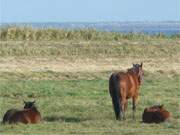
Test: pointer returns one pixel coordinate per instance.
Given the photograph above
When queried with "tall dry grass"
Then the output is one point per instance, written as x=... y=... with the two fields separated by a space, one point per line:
x=51 y=34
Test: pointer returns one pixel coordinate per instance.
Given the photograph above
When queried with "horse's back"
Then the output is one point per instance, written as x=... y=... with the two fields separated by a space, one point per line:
x=120 y=76
x=127 y=84
x=8 y=115
x=21 y=116
x=124 y=78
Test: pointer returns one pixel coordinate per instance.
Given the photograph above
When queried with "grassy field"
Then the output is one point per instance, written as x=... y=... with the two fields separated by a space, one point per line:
x=68 y=78
x=84 y=107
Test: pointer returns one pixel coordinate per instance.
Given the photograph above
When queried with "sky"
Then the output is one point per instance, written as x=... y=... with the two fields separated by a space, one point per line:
x=89 y=10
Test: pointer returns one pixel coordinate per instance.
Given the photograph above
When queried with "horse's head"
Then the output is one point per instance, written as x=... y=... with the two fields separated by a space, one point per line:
x=29 y=105
x=139 y=70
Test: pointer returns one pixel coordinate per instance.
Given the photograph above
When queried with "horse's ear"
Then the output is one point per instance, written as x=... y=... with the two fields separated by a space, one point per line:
x=141 y=64
x=133 y=64
x=161 y=106
x=24 y=101
x=33 y=101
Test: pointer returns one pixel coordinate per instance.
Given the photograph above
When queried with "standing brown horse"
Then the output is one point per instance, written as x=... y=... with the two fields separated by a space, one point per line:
x=29 y=114
x=123 y=86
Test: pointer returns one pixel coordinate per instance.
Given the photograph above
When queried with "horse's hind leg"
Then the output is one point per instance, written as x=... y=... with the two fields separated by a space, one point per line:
x=126 y=105
x=134 y=107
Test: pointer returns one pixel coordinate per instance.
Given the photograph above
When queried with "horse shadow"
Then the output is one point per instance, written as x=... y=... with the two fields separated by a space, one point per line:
x=63 y=119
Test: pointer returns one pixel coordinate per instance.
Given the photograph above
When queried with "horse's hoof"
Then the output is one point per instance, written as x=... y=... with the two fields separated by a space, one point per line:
x=134 y=119
x=120 y=119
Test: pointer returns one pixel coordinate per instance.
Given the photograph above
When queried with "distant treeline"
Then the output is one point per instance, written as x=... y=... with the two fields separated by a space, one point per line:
x=52 y=34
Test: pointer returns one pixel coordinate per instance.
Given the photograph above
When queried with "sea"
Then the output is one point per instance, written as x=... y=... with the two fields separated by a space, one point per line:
x=147 y=27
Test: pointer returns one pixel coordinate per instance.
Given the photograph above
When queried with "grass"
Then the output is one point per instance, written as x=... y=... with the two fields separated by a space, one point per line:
x=92 y=49
x=74 y=56
x=49 y=34
x=23 y=42
x=81 y=106
x=66 y=72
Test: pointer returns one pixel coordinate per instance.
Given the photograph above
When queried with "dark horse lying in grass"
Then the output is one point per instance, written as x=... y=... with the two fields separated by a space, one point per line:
x=123 y=86
x=29 y=114
x=155 y=114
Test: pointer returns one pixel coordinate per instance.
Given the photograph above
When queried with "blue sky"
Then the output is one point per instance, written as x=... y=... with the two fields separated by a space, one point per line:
x=89 y=10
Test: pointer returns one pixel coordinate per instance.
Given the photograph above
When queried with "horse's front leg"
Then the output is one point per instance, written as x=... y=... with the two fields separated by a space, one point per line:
x=134 y=107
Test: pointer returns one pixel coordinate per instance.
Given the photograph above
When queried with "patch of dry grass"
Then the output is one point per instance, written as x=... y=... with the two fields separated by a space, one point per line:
x=86 y=65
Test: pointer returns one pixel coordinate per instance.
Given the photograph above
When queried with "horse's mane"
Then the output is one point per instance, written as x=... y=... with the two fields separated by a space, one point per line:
x=131 y=70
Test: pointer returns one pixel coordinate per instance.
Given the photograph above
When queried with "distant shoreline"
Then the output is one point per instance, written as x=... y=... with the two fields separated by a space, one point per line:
x=146 y=27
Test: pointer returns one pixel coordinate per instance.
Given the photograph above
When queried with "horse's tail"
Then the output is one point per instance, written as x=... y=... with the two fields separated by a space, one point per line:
x=114 y=90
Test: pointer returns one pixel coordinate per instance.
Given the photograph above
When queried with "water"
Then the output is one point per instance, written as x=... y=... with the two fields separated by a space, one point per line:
x=168 y=28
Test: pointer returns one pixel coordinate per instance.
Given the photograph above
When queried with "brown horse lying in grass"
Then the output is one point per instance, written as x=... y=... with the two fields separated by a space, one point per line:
x=123 y=86
x=29 y=114
x=155 y=114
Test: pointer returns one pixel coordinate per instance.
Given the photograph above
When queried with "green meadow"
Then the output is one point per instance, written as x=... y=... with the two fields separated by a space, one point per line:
x=67 y=73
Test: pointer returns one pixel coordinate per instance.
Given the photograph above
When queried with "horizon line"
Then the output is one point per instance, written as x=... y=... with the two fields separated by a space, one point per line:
x=92 y=21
